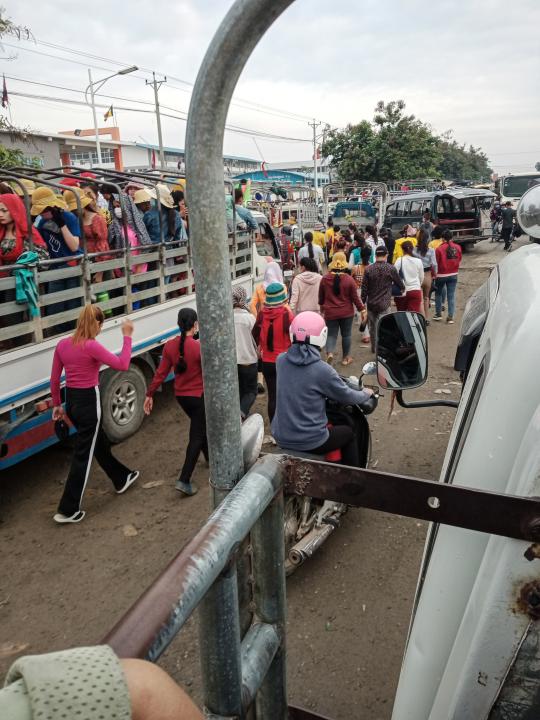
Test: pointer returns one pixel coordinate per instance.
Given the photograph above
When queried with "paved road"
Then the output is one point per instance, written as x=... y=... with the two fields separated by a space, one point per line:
x=348 y=607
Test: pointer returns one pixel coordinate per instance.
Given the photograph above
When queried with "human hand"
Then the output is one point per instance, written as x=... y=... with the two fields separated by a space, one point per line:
x=363 y=314
x=148 y=405
x=58 y=216
x=127 y=328
x=58 y=413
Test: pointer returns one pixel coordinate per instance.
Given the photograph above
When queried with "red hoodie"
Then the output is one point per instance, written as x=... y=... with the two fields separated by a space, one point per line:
x=271 y=332
x=448 y=265
x=8 y=256
x=335 y=307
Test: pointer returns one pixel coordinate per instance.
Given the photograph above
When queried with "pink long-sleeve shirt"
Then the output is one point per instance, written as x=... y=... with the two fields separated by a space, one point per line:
x=82 y=363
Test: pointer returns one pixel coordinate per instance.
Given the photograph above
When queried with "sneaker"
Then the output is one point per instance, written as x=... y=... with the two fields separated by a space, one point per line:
x=450 y=320
x=75 y=518
x=437 y=318
x=186 y=488
x=129 y=482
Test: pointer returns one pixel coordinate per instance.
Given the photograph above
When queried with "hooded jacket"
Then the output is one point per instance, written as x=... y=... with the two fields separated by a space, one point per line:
x=9 y=252
x=271 y=332
x=305 y=292
x=304 y=382
x=335 y=307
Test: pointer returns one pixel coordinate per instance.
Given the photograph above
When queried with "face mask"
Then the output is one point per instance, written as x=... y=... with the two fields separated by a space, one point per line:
x=118 y=212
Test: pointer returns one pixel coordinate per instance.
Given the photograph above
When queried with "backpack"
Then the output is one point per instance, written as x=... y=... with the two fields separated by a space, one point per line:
x=451 y=252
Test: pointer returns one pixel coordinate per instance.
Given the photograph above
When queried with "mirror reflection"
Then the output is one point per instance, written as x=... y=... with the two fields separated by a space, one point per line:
x=528 y=212
x=402 y=353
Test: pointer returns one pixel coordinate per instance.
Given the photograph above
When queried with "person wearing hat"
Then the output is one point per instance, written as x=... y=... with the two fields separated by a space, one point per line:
x=96 y=234
x=376 y=292
x=271 y=334
x=173 y=226
x=338 y=297
x=14 y=233
x=29 y=186
x=150 y=214
x=246 y=350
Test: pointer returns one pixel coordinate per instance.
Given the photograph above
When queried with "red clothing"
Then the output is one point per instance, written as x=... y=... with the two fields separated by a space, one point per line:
x=82 y=363
x=335 y=307
x=447 y=266
x=412 y=300
x=190 y=382
x=96 y=236
x=271 y=332
x=10 y=251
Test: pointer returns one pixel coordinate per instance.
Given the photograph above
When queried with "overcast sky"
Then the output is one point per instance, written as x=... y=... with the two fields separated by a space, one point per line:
x=472 y=67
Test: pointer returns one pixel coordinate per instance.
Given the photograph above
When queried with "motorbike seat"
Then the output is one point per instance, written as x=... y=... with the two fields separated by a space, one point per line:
x=300 y=454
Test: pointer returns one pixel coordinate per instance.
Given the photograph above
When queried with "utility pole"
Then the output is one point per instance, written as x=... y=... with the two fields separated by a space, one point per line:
x=156 y=84
x=315 y=125
x=96 y=127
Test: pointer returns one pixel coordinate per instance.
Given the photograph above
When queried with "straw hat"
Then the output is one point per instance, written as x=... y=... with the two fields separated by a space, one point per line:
x=144 y=195
x=339 y=262
x=44 y=197
x=29 y=186
x=70 y=196
x=165 y=197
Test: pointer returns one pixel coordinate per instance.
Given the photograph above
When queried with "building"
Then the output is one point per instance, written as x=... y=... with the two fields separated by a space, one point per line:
x=284 y=177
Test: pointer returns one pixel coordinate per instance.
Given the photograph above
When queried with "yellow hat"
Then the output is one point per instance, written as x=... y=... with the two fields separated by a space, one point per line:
x=29 y=186
x=339 y=262
x=44 y=197
x=165 y=197
x=180 y=185
x=71 y=200
x=144 y=195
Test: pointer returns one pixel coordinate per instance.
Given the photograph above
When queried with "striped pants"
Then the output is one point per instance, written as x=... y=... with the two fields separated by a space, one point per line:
x=83 y=408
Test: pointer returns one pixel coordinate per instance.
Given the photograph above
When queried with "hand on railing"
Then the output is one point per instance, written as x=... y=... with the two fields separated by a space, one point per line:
x=127 y=328
x=58 y=413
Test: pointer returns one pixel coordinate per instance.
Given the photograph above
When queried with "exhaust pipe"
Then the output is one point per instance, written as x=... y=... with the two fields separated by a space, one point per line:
x=310 y=543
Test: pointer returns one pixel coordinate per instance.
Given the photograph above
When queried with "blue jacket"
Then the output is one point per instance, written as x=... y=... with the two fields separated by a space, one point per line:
x=151 y=221
x=245 y=215
x=304 y=382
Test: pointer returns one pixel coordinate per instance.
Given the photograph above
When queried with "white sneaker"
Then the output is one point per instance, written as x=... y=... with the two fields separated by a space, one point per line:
x=75 y=518
x=129 y=482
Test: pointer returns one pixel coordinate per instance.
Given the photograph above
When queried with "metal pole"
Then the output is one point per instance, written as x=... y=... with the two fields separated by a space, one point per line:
x=315 y=125
x=156 y=85
x=245 y=23
x=96 y=128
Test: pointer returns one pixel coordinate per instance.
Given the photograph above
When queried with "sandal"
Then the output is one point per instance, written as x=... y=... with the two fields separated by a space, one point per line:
x=347 y=361
x=330 y=358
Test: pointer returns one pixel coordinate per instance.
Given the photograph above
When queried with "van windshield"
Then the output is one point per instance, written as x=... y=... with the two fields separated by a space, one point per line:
x=448 y=205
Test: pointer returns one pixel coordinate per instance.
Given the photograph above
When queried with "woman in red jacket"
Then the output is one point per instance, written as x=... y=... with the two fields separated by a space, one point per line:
x=338 y=297
x=183 y=354
x=271 y=333
x=14 y=232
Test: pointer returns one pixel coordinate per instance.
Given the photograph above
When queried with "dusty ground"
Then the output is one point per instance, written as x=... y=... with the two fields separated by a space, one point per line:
x=348 y=607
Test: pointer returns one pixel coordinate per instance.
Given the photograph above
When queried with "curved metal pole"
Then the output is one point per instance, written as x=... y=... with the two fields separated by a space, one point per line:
x=244 y=25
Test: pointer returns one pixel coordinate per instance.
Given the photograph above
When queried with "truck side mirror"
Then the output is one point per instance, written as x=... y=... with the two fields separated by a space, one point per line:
x=528 y=212
x=402 y=352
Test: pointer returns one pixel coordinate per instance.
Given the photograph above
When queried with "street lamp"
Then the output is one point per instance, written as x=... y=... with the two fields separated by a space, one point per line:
x=94 y=87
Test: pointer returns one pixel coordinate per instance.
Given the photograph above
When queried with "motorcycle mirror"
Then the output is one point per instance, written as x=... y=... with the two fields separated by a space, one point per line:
x=402 y=352
x=370 y=368
x=528 y=212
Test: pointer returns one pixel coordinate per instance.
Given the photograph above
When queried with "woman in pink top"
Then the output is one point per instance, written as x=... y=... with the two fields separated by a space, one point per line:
x=81 y=356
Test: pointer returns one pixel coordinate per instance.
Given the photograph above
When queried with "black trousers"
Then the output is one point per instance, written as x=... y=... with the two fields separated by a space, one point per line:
x=506 y=233
x=247 y=381
x=270 y=377
x=83 y=408
x=342 y=437
x=194 y=409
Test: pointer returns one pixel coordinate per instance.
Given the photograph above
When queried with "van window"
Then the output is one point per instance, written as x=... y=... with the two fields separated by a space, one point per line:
x=469 y=205
x=445 y=206
x=402 y=208
x=417 y=207
x=391 y=209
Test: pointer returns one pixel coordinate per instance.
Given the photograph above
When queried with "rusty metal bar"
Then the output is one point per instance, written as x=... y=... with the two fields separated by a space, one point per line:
x=489 y=512
x=156 y=617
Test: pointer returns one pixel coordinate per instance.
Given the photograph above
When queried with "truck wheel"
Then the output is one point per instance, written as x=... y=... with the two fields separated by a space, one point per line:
x=122 y=400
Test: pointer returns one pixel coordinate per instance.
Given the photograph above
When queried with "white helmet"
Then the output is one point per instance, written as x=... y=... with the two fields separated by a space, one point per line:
x=309 y=328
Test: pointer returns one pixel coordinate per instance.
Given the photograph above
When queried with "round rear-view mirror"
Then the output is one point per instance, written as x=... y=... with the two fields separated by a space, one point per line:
x=528 y=212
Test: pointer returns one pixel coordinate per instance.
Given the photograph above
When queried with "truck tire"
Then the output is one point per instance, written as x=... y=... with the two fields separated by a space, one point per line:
x=122 y=400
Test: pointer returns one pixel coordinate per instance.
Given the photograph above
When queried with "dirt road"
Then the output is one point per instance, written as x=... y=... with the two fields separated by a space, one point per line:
x=348 y=607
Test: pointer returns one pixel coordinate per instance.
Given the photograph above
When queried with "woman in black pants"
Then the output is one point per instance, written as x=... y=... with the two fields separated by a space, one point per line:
x=184 y=355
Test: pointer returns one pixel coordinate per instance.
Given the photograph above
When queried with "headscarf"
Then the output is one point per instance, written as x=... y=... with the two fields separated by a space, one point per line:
x=117 y=238
x=239 y=297
x=17 y=211
x=272 y=274
x=411 y=232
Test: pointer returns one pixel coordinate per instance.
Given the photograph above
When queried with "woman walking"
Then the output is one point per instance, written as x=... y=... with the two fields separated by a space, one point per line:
x=246 y=350
x=423 y=252
x=448 y=261
x=309 y=250
x=411 y=270
x=271 y=334
x=338 y=297
x=81 y=356
x=305 y=287
x=357 y=274
x=183 y=355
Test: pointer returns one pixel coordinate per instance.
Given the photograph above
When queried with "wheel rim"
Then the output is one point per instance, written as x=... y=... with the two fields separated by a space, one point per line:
x=124 y=403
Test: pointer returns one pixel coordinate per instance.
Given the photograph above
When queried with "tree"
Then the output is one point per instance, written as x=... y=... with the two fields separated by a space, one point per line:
x=10 y=158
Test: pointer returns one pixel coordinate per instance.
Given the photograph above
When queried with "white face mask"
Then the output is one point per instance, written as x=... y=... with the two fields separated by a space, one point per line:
x=118 y=212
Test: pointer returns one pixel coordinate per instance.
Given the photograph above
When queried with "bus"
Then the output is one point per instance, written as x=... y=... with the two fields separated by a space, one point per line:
x=511 y=187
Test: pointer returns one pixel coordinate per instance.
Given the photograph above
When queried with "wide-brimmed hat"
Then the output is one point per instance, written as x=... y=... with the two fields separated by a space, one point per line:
x=134 y=184
x=44 y=197
x=144 y=195
x=165 y=197
x=339 y=262
x=70 y=196
x=29 y=186
x=276 y=295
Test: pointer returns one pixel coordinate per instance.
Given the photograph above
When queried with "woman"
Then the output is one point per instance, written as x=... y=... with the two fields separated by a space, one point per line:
x=411 y=270
x=173 y=226
x=371 y=237
x=309 y=250
x=359 y=243
x=408 y=234
x=272 y=274
x=305 y=287
x=94 y=227
x=14 y=232
x=183 y=356
x=81 y=356
x=448 y=261
x=423 y=252
x=357 y=274
x=271 y=334
x=338 y=297
x=246 y=350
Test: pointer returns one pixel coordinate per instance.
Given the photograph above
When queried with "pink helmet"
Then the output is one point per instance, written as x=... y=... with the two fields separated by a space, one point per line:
x=309 y=328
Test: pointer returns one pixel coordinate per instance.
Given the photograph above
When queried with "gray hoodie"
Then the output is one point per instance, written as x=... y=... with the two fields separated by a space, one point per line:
x=304 y=382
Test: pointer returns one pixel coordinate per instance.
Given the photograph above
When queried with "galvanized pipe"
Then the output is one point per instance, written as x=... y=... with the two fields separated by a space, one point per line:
x=150 y=625
x=259 y=647
x=243 y=26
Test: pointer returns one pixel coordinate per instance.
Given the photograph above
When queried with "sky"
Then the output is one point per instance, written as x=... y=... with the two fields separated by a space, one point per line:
x=470 y=67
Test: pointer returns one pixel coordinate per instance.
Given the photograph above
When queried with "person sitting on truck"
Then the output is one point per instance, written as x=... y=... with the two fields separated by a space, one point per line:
x=183 y=356
x=14 y=232
x=81 y=356
x=150 y=214
x=304 y=382
x=242 y=211
x=94 y=226
x=448 y=261
x=173 y=225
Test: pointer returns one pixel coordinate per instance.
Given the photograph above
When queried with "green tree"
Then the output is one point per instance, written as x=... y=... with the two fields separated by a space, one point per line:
x=10 y=158
x=459 y=163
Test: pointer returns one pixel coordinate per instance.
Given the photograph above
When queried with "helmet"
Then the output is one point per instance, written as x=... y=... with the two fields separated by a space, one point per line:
x=309 y=328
